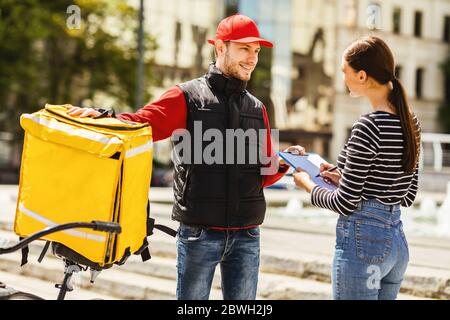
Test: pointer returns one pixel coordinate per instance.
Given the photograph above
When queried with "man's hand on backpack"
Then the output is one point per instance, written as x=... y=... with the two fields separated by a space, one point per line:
x=83 y=112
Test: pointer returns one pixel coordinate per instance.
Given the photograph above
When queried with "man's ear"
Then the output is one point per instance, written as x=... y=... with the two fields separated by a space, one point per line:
x=220 y=47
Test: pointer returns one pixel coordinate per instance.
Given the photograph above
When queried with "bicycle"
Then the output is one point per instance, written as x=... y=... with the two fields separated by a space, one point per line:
x=70 y=267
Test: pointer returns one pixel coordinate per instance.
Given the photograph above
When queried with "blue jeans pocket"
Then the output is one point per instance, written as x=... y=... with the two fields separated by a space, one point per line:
x=253 y=232
x=189 y=234
x=373 y=241
x=342 y=234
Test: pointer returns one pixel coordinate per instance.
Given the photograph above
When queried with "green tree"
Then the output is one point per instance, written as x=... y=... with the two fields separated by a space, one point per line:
x=43 y=60
x=444 y=109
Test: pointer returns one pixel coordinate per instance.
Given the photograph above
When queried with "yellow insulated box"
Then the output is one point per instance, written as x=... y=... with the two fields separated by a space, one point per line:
x=83 y=169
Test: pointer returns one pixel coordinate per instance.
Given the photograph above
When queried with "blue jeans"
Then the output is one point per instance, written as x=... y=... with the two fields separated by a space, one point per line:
x=200 y=250
x=371 y=253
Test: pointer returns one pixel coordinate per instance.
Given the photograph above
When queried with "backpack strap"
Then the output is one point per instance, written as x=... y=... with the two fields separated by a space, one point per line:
x=25 y=251
x=125 y=257
x=151 y=225
x=144 y=251
x=166 y=229
x=44 y=251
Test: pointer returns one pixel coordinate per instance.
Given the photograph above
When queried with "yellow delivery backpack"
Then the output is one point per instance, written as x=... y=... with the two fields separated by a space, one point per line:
x=83 y=169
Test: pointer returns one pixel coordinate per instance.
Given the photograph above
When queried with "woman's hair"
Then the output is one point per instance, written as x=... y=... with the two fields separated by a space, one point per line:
x=372 y=55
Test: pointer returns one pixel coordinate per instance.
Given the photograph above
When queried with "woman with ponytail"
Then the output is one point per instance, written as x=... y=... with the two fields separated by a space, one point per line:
x=377 y=173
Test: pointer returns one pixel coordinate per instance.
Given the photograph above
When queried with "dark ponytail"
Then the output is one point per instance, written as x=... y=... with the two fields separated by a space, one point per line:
x=373 y=55
x=411 y=136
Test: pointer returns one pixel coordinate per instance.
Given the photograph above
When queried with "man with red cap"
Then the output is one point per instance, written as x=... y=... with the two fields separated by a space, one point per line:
x=221 y=205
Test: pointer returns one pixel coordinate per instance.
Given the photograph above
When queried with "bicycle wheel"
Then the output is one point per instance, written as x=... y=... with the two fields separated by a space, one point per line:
x=22 y=296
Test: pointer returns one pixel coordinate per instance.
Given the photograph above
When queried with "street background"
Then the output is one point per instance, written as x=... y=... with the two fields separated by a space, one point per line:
x=123 y=54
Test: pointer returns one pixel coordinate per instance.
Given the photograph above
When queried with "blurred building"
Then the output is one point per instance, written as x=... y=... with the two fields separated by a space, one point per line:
x=301 y=92
x=297 y=80
x=318 y=111
x=418 y=32
x=181 y=29
x=308 y=100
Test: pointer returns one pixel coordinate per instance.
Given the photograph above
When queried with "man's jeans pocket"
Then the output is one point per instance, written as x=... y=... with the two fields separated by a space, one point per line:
x=373 y=240
x=253 y=233
x=189 y=234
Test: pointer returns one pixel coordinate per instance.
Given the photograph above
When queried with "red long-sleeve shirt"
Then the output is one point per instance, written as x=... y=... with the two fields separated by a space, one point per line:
x=169 y=113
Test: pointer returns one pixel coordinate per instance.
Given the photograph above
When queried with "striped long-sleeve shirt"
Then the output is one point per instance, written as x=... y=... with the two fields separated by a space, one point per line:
x=371 y=167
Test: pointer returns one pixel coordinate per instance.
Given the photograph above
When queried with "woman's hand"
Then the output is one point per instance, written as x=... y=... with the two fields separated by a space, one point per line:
x=83 y=112
x=292 y=149
x=303 y=180
x=333 y=177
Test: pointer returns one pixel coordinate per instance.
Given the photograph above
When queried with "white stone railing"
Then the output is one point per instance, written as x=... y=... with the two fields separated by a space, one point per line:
x=439 y=155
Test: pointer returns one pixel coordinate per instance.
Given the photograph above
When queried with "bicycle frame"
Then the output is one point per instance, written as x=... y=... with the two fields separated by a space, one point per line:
x=70 y=267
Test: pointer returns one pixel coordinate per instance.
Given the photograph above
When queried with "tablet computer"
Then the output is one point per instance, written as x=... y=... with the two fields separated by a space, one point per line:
x=310 y=163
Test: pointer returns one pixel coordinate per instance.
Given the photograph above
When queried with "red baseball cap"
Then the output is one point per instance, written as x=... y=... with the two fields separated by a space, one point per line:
x=239 y=28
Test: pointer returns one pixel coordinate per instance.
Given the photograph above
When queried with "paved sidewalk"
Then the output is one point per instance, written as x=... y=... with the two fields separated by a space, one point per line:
x=295 y=249
x=291 y=247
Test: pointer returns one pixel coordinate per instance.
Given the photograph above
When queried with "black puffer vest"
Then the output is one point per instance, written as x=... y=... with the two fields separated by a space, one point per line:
x=223 y=193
